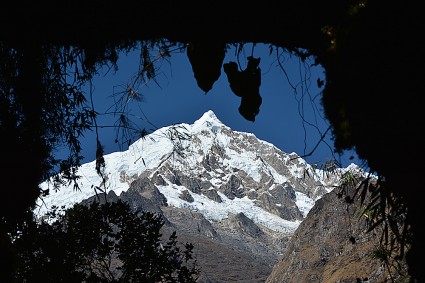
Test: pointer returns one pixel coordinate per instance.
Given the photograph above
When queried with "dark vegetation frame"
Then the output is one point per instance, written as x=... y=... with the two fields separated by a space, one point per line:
x=372 y=96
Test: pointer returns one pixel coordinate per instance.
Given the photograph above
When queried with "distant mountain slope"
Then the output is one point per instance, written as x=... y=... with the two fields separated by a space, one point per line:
x=332 y=246
x=238 y=196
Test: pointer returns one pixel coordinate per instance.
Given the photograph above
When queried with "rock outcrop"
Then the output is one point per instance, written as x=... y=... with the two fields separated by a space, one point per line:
x=332 y=245
x=237 y=198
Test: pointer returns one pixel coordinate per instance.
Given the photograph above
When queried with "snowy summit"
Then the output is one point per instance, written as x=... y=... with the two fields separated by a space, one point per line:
x=209 y=168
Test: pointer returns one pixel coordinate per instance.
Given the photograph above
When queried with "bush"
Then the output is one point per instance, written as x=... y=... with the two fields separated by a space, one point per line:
x=102 y=243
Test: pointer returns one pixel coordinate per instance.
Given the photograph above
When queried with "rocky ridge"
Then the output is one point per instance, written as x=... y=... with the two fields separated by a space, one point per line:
x=238 y=199
x=334 y=245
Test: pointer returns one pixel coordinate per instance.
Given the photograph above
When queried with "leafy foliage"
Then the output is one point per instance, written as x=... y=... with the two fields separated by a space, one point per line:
x=102 y=243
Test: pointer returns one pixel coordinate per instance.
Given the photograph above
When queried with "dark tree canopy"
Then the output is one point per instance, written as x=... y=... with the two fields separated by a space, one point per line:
x=370 y=50
x=102 y=243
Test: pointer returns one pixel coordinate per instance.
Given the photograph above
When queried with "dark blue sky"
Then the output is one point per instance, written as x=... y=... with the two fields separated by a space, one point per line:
x=177 y=99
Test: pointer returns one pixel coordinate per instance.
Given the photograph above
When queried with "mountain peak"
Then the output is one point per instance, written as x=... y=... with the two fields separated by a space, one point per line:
x=209 y=118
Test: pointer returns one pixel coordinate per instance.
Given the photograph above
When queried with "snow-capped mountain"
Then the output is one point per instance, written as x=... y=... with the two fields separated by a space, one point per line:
x=238 y=188
x=226 y=172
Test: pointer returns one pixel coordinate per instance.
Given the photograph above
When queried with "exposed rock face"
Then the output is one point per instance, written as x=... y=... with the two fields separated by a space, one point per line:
x=331 y=246
x=233 y=250
x=236 y=198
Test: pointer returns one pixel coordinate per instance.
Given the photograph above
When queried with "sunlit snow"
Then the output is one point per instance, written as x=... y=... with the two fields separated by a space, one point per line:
x=215 y=211
x=151 y=151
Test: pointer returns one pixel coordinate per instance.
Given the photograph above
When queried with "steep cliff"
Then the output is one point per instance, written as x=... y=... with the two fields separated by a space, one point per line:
x=332 y=245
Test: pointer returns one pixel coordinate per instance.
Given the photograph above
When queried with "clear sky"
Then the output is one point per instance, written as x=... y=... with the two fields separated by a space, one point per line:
x=176 y=98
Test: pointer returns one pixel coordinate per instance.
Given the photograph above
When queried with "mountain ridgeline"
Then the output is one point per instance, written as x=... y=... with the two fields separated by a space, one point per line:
x=238 y=199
